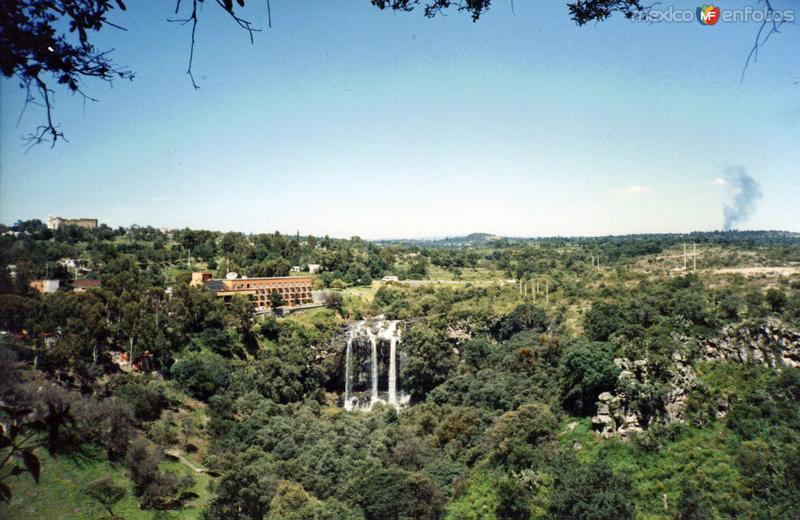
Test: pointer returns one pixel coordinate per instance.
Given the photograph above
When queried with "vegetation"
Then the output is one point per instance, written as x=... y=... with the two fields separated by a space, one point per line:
x=229 y=414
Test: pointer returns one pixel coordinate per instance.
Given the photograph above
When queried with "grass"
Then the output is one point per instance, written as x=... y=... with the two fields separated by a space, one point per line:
x=60 y=492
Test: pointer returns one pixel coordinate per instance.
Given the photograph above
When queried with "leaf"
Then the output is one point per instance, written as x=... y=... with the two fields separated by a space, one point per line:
x=4 y=441
x=121 y=5
x=240 y=2
x=32 y=463
x=5 y=493
x=229 y=5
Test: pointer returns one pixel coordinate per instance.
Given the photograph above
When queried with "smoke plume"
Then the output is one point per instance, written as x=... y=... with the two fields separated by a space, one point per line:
x=745 y=194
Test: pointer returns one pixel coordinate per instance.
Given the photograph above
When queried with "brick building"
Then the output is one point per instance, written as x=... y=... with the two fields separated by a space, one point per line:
x=293 y=290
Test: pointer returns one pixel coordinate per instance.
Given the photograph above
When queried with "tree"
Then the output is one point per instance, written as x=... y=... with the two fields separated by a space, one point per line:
x=587 y=370
x=602 y=320
x=776 y=299
x=202 y=374
x=395 y=494
x=106 y=492
x=335 y=301
x=119 y=429
x=430 y=360
x=519 y=434
x=275 y=300
x=590 y=492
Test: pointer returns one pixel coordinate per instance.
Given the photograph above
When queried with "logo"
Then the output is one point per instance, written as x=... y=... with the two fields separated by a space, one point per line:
x=708 y=14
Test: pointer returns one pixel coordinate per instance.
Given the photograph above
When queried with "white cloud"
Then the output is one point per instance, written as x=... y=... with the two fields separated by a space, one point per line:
x=631 y=190
x=719 y=181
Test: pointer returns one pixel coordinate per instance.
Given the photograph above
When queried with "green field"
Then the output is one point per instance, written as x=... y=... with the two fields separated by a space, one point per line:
x=60 y=492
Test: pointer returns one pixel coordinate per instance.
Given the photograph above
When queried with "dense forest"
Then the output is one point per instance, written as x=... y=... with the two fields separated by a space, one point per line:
x=645 y=376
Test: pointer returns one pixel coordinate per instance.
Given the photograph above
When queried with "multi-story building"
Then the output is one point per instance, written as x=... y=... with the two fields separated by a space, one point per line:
x=59 y=222
x=293 y=290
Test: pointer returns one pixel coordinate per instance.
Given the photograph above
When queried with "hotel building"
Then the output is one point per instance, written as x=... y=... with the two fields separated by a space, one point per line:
x=293 y=290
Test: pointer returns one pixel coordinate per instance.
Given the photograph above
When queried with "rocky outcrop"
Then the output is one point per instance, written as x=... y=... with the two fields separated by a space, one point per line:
x=617 y=414
x=771 y=344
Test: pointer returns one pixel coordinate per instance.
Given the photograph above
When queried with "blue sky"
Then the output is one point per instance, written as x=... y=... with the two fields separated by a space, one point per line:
x=346 y=120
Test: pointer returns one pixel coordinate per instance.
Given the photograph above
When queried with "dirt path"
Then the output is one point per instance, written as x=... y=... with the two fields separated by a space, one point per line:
x=752 y=271
x=174 y=452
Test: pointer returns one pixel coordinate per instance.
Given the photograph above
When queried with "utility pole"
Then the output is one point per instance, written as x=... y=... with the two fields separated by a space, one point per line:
x=694 y=256
x=684 y=256
x=546 y=292
x=533 y=290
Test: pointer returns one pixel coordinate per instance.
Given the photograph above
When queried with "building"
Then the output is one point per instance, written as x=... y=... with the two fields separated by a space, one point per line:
x=390 y=278
x=200 y=278
x=293 y=290
x=74 y=264
x=83 y=285
x=45 y=286
x=314 y=268
x=59 y=222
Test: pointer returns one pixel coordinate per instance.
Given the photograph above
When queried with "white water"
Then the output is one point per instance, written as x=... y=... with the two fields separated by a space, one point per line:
x=376 y=333
x=391 y=331
x=348 y=372
x=373 y=342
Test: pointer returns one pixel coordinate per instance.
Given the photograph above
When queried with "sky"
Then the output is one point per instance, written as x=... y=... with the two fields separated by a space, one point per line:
x=346 y=120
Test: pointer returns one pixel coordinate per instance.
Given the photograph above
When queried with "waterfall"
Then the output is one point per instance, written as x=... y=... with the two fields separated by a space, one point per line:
x=391 y=331
x=369 y=343
x=373 y=341
x=348 y=373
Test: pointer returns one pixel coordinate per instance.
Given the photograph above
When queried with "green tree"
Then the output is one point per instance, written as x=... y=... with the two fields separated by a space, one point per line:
x=590 y=492
x=429 y=362
x=395 y=494
x=107 y=492
x=776 y=299
x=587 y=370
x=202 y=374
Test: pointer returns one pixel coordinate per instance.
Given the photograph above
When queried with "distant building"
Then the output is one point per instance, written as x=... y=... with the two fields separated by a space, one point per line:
x=45 y=286
x=59 y=222
x=74 y=264
x=293 y=290
x=390 y=278
x=83 y=285
x=200 y=278
x=314 y=268
x=296 y=269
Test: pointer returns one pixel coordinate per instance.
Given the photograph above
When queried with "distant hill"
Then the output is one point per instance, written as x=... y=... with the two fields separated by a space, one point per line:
x=471 y=240
x=752 y=238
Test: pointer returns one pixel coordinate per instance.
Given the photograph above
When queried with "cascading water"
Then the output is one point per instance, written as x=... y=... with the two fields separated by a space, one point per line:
x=373 y=343
x=393 y=337
x=348 y=372
x=372 y=364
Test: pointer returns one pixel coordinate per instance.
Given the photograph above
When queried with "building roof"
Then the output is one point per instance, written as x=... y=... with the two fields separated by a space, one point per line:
x=87 y=283
x=215 y=285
